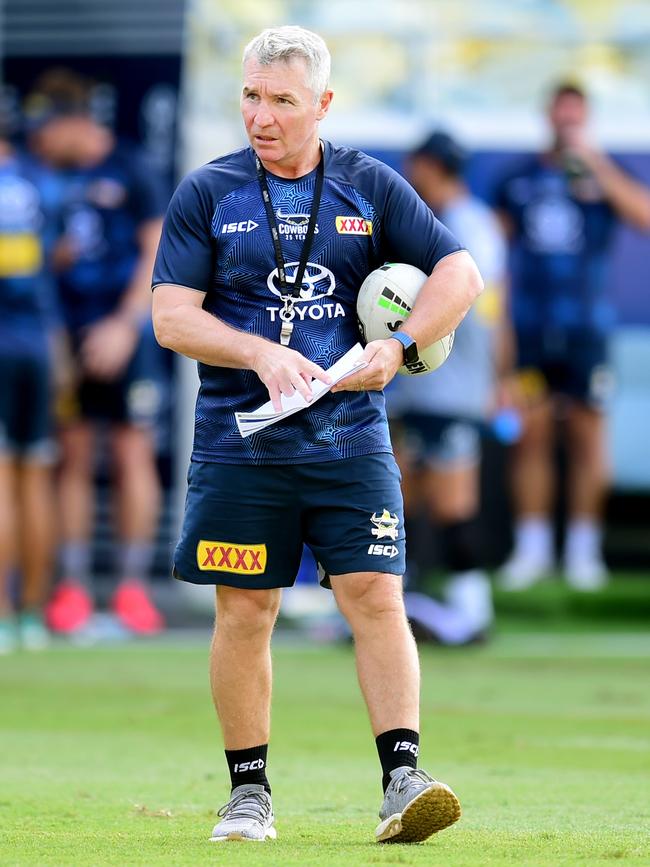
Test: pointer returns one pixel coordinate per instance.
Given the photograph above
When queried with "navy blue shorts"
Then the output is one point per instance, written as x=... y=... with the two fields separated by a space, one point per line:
x=573 y=363
x=439 y=441
x=25 y=407
x=245 y=525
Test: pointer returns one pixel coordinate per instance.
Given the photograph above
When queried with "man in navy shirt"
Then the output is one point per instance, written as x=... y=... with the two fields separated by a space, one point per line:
x=262 y=255
x=560 y=209
x=111 y=216
x=28 y=321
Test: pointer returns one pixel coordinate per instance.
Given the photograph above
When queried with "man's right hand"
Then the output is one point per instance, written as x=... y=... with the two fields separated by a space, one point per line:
x=285 y=371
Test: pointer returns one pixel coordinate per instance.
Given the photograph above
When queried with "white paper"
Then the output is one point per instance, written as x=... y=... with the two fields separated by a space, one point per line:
x=252 y=422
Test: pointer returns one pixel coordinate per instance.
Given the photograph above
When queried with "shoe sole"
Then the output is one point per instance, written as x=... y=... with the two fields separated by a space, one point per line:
x=235 y=837
x=433 y=810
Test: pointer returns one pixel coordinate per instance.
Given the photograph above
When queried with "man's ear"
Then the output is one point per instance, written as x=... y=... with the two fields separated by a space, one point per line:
x=324 y=104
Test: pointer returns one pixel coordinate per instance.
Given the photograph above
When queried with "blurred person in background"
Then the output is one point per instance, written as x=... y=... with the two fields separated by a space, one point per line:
x=437 y=418
x=28 y=323
x=111 y=219
x=560 y=209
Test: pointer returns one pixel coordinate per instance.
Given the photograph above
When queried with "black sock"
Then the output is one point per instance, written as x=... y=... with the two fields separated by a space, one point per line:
x=248 y=766
x=461 y=544
x=397 y=748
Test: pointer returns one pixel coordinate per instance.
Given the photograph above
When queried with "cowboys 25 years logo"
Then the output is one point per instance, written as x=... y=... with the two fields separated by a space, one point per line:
x=293 y=226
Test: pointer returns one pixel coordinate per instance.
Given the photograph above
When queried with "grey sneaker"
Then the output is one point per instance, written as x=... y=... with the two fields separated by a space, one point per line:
x=415 y=806
x=248 y=815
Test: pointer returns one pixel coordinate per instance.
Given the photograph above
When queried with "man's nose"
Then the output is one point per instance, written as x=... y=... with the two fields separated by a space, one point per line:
x=263 y=116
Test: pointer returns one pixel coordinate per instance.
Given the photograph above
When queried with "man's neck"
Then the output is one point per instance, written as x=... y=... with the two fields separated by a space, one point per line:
x=298 y=166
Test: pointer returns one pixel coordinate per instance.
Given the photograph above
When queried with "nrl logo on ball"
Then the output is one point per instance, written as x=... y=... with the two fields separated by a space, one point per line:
x=384 y=525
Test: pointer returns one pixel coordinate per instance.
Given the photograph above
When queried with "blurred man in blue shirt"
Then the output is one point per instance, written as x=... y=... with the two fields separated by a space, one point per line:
x=437 y=418
x=111 y=218
x=28 y=319
x=560 y=209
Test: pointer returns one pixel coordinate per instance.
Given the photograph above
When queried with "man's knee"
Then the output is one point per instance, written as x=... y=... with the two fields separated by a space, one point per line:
x=246 y=612
x=586 y=435
x=369 y=595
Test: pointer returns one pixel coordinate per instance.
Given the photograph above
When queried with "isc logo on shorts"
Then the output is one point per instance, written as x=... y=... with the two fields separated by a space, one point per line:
x=383 y=550
x=353 y=226
x=228 y=557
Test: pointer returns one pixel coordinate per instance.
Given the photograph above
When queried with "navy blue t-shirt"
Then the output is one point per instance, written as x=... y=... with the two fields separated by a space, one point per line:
x=29 y=201
x=561 y=248
x=216 y=239
x=103 y=208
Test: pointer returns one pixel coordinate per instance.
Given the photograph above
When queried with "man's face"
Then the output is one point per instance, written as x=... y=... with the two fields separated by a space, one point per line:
x=568 y=117
x=68 y=141
x=279 y=111
x=55 y=141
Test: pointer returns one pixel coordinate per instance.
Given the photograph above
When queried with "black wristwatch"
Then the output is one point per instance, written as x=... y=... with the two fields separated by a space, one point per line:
x=409 y=346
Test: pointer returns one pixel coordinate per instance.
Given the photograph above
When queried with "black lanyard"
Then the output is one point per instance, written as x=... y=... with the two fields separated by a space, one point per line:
x=290 y=292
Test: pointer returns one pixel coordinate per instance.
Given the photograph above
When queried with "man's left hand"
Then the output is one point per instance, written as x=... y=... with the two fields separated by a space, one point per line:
x=384 y=358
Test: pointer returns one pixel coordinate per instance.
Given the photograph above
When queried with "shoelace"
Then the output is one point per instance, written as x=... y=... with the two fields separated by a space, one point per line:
x=247 y=805
x=408 y=776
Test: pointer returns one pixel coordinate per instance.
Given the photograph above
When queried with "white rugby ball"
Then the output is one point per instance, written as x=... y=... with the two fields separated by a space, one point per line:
x=385 y=301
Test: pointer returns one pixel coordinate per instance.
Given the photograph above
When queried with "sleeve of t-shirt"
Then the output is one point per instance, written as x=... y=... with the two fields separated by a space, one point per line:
x=477 y=226
x=186 y=250
x=411 y=232
x=149 y=194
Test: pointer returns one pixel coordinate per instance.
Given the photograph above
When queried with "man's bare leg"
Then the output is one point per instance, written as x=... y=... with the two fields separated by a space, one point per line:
x=240 y=664
x=76 y=484
x=588 y=478
x=71 y=606
x=240 y=676
x=533 y=490
x=36 y=532
x=588 y=463
x=415 y=805
x=533 y=484
x=7 y=532
x=138 y=485
x=387 y=660
x=136 y=506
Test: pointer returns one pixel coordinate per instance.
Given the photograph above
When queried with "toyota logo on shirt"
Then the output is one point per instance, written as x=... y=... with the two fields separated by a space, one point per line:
x=317 y=282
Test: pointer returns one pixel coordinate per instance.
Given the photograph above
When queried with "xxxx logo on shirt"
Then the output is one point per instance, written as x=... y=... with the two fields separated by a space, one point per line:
x=228 y=557
x=353 y=226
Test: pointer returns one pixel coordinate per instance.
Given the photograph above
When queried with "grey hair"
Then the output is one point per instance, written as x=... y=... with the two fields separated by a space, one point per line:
x=284 y=43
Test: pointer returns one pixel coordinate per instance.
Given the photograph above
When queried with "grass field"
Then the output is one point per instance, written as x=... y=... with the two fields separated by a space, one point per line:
x=111 y=755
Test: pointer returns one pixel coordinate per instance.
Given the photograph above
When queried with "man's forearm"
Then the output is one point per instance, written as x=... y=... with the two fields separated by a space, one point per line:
x=194 y=332
x=445 y=298
x=627 y=196
x=135 y=304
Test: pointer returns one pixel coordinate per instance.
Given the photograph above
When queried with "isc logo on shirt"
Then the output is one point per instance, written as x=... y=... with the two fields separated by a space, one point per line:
x=228 y=557
x=353 y=226
x=242 y=226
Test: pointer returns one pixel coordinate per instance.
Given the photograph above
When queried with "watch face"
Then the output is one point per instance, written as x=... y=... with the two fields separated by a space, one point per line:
x=411 y=352
x=409 y=346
